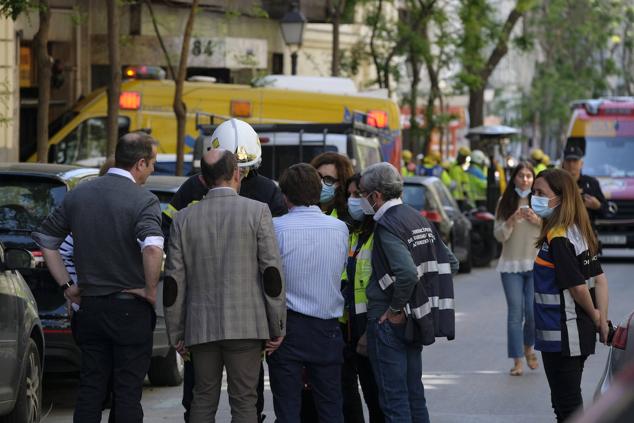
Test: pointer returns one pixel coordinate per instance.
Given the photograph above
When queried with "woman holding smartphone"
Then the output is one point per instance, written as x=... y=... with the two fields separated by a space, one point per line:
x=571 y=290
x=516 y=226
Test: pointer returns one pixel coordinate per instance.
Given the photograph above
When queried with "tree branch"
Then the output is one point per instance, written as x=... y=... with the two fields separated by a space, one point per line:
x=170 y=68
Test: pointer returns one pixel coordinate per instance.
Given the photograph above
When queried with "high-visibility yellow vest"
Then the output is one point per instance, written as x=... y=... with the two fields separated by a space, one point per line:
x=362 y=272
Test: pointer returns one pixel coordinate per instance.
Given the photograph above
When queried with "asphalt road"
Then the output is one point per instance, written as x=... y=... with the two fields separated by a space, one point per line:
x=466 y=380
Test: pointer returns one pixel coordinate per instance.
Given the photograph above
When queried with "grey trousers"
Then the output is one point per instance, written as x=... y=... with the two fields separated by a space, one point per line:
x=242 y=359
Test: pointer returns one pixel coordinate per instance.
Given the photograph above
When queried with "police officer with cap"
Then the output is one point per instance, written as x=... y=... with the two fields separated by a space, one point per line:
x=589 y=187
x=239 y=137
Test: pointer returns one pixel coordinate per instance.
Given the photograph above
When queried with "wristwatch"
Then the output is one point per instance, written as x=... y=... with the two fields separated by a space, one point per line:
x=395 y=311
x=67 y=285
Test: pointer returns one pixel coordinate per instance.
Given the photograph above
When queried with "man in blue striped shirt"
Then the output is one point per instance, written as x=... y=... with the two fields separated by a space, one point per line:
x=314 y=250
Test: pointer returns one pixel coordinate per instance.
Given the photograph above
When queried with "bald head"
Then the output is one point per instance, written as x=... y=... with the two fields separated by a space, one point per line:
x=219 y=167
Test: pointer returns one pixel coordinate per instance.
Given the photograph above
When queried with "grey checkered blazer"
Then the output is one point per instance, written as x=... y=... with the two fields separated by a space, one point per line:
x=219 y=249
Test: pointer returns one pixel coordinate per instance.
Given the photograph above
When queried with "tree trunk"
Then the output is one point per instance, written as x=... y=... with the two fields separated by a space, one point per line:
x=180 y=108
x=373 y=50
x=170 y=67
x=43 y=81
x=337 y=9
x=414 y=129
x=114 y=85
x=476 y=107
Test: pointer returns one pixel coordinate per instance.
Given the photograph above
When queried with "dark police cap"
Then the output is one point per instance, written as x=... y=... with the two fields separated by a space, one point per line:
x=573 y=152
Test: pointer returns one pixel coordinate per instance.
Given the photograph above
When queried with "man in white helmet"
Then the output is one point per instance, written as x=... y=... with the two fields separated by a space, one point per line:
x=240 y=138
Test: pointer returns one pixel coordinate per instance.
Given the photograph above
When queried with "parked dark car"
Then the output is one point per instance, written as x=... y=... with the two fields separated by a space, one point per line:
x=432 y=199
x=21 y=342
x=28 y=192
x=621 y=354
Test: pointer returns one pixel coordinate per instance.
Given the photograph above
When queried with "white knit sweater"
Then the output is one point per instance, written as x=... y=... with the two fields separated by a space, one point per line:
x=518 y=244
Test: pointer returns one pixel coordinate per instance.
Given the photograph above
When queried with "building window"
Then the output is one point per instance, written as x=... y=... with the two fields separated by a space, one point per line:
x=135 y=19
x=277 y=64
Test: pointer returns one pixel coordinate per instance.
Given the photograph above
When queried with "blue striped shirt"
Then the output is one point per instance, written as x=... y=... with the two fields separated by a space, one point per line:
x=314 y=250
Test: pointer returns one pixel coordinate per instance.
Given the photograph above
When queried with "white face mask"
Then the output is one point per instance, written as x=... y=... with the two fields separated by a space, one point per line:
x=367 y=207
x=522 y=193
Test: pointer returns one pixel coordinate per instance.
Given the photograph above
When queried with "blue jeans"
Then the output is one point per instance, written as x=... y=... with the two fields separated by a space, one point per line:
x=518 y=288
x=398 y=371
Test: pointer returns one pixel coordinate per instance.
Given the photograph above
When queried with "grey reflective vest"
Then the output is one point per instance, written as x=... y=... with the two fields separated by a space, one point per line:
x=430 y=310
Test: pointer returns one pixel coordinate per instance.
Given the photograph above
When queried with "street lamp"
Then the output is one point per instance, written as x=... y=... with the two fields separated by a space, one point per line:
x=292 y=25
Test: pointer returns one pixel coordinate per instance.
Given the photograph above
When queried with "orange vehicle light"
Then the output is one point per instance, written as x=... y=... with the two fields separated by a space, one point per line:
x=130 y=100
x=240 y=108
x=377 y=118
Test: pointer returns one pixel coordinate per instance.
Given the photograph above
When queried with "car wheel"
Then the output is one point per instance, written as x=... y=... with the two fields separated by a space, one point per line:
x=466 y=264
x=168 y=370
x=29 y=402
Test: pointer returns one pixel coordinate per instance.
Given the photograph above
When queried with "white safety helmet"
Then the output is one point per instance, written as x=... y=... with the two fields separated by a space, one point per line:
x=238 y=137
x=479 y=158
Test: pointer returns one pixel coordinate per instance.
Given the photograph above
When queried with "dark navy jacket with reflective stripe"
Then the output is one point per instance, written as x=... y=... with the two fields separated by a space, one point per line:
x=431 y=305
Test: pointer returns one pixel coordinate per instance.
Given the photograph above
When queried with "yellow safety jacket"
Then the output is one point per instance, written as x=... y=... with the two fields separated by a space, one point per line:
x=461 y=179
x=362 y=272
x=540 y=167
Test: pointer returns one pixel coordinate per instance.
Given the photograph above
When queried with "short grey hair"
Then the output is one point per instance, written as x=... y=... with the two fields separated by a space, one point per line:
x=384 y=178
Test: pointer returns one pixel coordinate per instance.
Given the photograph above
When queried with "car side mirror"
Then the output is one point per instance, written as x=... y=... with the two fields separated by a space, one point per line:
x=57 y=152
x=18 y=258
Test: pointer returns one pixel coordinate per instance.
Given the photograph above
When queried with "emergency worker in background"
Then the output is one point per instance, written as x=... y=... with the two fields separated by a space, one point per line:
x=432 y=167
x=589 y=187
x=477 y=173
x=537 y=160
x=356 y=364
x=408 y=167
x=459 y=175
x=334 y=170
x=240 y=138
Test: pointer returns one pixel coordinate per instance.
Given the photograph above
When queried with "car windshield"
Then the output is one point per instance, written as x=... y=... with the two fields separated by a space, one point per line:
x=609 y=156
x=25 y=201
x=276 y=159
x=415 y=196
x=445 y=197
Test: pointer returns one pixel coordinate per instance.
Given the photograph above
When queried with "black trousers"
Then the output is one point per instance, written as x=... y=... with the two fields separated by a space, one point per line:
x=115 y=338
x=356 y=368
x=564 y=378
x=188 y=391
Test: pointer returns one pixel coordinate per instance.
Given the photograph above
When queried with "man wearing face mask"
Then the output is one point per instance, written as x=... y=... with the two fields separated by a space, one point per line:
x=410 y=288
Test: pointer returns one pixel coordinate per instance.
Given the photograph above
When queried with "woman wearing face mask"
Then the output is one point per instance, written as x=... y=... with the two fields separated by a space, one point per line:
x=334 y=169
x=356 y=367
x=516 y=225
x=571 y=290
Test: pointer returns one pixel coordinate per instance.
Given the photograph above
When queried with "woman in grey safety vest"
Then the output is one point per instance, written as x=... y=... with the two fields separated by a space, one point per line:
x=356 y=366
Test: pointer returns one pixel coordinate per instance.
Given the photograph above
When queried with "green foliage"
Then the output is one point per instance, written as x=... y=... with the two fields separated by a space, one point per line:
x=13 y=8
x=574 y=38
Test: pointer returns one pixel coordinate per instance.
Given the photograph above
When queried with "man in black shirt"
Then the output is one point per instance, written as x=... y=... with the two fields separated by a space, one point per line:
x=239 y=137
x=589 y=187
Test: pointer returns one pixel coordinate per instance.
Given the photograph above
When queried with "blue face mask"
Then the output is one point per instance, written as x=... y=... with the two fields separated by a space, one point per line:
x=540 y=206
x=327 y=193
x=355 y=210
x=522 y=194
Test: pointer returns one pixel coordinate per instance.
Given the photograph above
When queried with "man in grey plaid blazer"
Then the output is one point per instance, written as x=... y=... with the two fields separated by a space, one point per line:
x=224 y=295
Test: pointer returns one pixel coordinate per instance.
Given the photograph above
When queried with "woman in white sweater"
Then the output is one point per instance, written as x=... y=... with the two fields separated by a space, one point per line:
x=517 y=228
